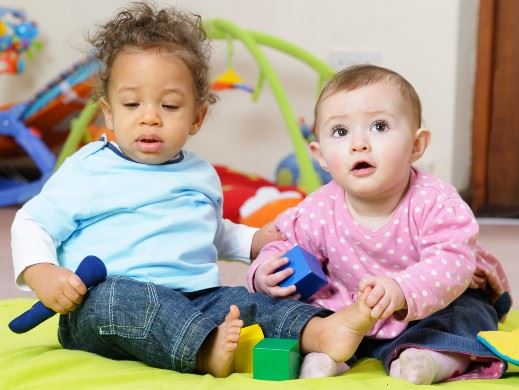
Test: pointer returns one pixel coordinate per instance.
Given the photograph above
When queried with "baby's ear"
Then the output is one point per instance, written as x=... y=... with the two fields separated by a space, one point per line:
x=199 y=118
x=315 y=149
x=107 y=113
x=422 y=138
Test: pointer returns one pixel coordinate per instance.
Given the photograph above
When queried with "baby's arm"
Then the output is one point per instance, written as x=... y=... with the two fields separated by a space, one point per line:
x=241 y=242
x=35 y=265
x=445 y=241
x=268 y=233
x=297 y=227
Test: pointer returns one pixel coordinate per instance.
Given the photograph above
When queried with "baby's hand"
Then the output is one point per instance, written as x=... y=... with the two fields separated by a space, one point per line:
x=386 y=296
x=266 y=234
x=58 y=288
x=479 y=279
x=266 y=279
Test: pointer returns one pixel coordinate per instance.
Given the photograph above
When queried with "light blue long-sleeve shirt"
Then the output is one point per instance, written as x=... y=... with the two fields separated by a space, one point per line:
x=149 y=222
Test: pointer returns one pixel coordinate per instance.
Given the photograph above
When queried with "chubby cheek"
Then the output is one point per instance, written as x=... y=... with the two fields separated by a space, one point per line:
x=336 y=161
x=395 y=154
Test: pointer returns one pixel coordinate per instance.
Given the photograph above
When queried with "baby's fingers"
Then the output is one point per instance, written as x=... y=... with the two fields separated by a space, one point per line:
x=367 y=281
x=278 y=277
x=64 y=305
x=375 y=296
x=76 y=287
x=273 y=265
x=282 y=292
x=389 y=311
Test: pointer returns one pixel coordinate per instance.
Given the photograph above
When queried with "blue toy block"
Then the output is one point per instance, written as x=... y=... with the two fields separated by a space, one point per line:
x=308 y=274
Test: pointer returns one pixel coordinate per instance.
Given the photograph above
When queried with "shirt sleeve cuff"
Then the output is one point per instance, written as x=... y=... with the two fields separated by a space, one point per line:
x=31 y=245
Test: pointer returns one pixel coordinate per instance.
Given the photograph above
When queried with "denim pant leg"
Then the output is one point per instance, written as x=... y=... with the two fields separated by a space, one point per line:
x=452 y=329
x=278 y=318
x=125 y=319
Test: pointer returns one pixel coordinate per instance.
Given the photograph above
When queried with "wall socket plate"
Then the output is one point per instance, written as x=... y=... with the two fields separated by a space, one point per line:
x=342 y=58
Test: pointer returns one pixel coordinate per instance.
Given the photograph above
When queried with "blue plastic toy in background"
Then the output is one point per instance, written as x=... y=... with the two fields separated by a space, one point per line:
x=287 y=171
x=91 y=271
x=308 y=274
x=15 y=124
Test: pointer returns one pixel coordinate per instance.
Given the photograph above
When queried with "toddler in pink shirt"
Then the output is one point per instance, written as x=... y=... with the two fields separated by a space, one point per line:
x=384 y=224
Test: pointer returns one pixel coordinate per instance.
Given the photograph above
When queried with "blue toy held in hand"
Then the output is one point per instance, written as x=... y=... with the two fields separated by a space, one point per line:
x=91 y=271
x=308 y=275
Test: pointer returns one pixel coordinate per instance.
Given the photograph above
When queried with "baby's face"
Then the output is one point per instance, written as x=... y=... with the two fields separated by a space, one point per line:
x=365 y=140
x=151 y=105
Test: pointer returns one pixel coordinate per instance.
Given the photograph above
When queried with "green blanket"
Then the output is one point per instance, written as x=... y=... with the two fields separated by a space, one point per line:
x=35 y=360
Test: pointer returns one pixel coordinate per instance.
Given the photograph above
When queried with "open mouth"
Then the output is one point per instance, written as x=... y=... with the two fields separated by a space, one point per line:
x=149 y=144
x=361 y=165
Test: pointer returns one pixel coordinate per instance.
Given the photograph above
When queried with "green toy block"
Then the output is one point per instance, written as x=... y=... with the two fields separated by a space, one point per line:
x=276 y=359
x=249 y=337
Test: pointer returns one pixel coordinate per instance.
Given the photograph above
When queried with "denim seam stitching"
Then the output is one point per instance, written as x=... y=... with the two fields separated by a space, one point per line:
x=303 y=312
x=194 y=328
x=182 y=332
x=285 y=318
x=116 y=329
x=154 y=304
x=109 y=327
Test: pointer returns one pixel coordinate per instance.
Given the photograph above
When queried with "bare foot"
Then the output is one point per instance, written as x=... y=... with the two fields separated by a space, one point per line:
x=340 y=334
x=216 y=356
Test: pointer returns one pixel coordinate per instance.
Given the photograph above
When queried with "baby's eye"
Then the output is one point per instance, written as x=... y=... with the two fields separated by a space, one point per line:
x=131 y=105
x=339 y=131
x=170 y=106
x=380 y=126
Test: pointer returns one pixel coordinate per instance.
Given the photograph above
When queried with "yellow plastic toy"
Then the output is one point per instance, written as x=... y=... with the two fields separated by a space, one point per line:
x=230 y=79
x=503 y=344
x=249 y=337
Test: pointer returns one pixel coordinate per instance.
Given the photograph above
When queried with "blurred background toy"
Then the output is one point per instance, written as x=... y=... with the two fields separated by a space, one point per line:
x=230 y=79
x=17 y=40
x=32 y=132
x=287 y=171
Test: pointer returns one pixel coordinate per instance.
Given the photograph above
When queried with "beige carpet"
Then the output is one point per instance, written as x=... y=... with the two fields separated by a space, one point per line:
x=500 y=237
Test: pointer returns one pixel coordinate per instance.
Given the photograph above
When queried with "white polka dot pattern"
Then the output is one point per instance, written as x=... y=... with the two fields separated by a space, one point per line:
x=428 y=245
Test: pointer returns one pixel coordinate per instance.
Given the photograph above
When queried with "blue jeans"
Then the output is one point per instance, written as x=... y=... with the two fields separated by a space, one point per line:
x=452 y=329
x=125 y=319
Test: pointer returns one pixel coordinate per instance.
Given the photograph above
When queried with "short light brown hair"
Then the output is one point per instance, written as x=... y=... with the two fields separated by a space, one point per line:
x=143 y=26
x=358 y=76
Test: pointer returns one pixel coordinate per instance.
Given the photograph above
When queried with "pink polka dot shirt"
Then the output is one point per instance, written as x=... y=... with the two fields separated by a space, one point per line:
x=428 y=246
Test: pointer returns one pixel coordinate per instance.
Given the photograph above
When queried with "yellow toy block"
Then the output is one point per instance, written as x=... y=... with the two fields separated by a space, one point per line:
x=249 y=337
x=503 y=344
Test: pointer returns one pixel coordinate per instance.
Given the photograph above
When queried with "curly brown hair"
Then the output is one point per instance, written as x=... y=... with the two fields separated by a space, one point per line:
x=143 y=26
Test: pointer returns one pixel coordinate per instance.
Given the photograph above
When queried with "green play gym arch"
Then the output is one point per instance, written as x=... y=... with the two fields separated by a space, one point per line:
x=221 y=29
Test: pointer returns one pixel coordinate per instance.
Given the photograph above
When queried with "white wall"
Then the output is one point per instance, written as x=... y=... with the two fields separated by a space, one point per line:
x=431 y=42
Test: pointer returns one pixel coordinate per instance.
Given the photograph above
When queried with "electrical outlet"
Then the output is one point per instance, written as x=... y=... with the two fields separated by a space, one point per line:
x=342 y=58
